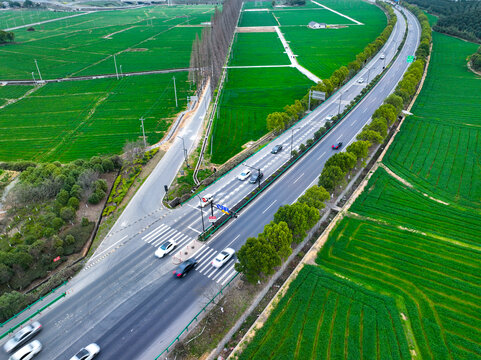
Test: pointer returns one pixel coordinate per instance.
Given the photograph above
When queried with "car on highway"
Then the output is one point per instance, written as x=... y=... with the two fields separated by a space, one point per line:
x=257 y=176
x=276 y=149
x=329 y=117
x=206 y=200
x=165 y=248
x=244 y=175
x=28 y=351
x=185 y=267
x=360 y=80
x=382 y=57
x=22 y=336
x=87 y=353
x=223 y=257
x=337 y=146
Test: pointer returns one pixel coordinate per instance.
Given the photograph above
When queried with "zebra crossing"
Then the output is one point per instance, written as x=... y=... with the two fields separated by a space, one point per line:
x=165 y=232
x=221 y=275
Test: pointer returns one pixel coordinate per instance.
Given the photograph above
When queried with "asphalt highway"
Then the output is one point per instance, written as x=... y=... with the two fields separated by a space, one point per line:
x=128 y=301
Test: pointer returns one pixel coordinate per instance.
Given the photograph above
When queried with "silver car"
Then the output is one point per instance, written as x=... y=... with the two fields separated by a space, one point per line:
x=22 y=336
x=28 y=351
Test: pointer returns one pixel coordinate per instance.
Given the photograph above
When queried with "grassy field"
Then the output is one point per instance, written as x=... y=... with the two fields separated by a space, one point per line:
x=12 y=92
x=323 y=316
x=258 y=49
x=323 y=51
x=257 y=18
x=399 y=241
x=248 y=97
x=143 y=39
x=438 y=148
x=19 y=17
x=70 y=120
x=304 y=16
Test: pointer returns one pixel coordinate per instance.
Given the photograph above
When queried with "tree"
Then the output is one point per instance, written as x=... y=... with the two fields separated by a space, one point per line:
x=378 y=124
x=387 y=111
x=395 y=101
x=370 y=135
x=132 y=150
x=5 y=274
x=299 y=218
x=277 y=121
x=331 y=177
x=67 y=213
x=62 y=197
x=359 y=148
x=345 y=160
x=280 y=237
x=315 y=197
x=257 y=258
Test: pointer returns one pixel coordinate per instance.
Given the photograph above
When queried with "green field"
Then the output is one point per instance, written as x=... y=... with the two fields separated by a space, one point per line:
x=70 y=120
x=325 y=50
x=254 y=49
x=257 y=18
x=438 y=148
x=143 y=39
x=304 y=16
x=401 y=242
x=12 y=92
x=247 y=98
x=326 y=317
x=19 y=17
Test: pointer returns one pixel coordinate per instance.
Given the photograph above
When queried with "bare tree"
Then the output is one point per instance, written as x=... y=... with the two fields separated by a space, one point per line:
x=132 y=150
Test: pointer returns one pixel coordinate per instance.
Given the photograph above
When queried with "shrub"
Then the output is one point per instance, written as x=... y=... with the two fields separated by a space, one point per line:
x=67 y=213
x=57 y=223
x=73 y=202
x=85 y=221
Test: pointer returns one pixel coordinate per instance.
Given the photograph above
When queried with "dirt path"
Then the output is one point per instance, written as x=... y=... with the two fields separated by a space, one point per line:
x=338 y=13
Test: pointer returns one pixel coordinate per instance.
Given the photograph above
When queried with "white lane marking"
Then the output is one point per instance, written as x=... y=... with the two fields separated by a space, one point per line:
x=226 y=272
x=207 y=260
x=339 y=138
x=173 y=238
x=232 y=241
x=319 y=158
x=168 y=233
x=154 y=232
x=193 y=207
x=197 y=231
x=298 y=178
x=354 y=121
x=204 y=256
x=200 y=251
x=269 y=206
x=214 y=270
x=160 y=231
x=96 y=256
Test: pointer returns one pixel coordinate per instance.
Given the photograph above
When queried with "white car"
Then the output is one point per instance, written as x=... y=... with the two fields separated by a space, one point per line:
x=22 y=336
x=360 y=80
x=165 y=248
x=383 y=56
x=223 y=257
x=244 y=175
x=329 y=117
x=28 y=351
x=206 y=200
x=87 y=353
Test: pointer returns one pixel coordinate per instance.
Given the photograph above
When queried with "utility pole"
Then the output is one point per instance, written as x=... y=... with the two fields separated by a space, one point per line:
x=185 y=151
x=201 y=213
x=116 y=72
x=143 y=130
x=309 y=106
x=292 y=138
x=121 y=73
x=368 y=72
x=39 y=75
x=175 y=93
x=35 y=81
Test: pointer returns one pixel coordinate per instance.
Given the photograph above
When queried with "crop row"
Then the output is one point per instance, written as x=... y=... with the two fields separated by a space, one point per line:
x=437 y=149
x=402 y=263
x=325 y=317
x=12 y=92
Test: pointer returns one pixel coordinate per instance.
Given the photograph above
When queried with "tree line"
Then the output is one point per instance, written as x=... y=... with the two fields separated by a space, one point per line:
x=209 y=52
x=458 y=18
x=476 y=60
x=279 y=121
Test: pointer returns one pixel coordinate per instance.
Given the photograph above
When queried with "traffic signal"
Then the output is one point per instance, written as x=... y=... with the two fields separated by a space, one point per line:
x=166 y=188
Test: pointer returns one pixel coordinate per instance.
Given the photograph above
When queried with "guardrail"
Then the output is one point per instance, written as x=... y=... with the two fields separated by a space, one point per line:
x=195 y=318
x=13 y=328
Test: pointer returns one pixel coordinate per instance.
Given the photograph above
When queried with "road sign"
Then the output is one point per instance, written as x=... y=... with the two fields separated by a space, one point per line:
x=223 y=209
x=212 y=218
x=318 y=95
x=410 y=59
x=204 y=200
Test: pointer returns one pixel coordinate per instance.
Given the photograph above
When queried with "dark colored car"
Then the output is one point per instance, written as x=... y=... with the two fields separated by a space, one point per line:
x=337 y=146
x=185 y=267
x=255 y=177
x=276 y=149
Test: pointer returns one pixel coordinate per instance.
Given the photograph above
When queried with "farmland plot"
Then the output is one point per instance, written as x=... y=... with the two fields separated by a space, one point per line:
x=11 y=92
x=143 y=39
x=257 y=18
x=438 y=148
x=323 y=316
x=303 y=17
x=19 y=17
x=256 y=49
x=247 y=98
x=70 y=120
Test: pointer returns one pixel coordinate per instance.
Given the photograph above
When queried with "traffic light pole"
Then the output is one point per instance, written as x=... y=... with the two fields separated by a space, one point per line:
x=258 y=173
x=201 y=212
